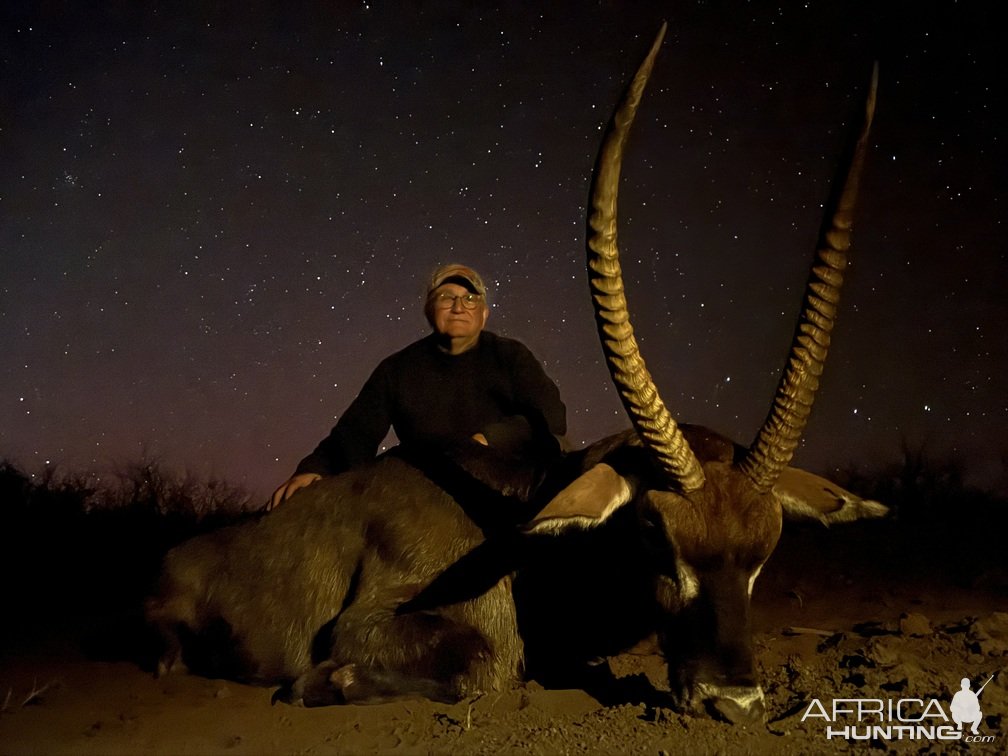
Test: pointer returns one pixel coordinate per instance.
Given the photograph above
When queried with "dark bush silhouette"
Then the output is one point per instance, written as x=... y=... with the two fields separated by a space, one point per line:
x=936 y=533
x=79 y=552
x=76 y=551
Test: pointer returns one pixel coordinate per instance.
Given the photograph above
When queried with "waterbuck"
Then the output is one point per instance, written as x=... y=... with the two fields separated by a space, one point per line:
x=388 y=580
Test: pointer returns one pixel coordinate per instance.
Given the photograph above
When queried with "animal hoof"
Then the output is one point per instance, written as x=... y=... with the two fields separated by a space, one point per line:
x=343 y=677
x=738 y=714
x=286 y=694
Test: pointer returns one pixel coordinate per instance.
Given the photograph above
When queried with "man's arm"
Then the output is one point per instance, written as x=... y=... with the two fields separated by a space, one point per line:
x=541 y=417
x=353 y=440
x=538 y=391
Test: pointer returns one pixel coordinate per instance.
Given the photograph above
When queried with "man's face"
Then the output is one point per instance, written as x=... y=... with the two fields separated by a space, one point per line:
x=449 y=315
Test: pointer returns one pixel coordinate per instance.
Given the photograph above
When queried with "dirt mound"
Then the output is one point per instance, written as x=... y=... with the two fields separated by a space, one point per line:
x=60 y=702
x=859 y=616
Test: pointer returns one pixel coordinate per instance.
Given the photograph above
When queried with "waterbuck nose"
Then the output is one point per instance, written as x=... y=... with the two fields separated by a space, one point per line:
x=737 y=704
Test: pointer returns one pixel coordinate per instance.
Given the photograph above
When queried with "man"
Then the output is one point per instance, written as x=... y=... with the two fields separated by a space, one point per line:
x=966 y=706
x=460 y=383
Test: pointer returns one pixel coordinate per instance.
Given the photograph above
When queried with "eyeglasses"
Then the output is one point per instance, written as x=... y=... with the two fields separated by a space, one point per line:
x=445 y=301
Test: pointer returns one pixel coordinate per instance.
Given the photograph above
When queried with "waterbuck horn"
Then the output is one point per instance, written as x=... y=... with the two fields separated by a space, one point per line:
x=650 y=418
x=774 y=445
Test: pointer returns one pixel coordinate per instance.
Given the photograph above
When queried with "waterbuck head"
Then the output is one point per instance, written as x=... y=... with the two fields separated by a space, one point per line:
x=707 y=509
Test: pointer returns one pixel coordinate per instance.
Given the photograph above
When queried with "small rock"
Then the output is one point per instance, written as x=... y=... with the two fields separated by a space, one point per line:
x=911 y=623
x=883 y=650
x=990 y=634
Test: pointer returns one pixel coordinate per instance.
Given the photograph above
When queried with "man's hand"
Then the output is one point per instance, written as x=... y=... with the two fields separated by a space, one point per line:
x=287 y=489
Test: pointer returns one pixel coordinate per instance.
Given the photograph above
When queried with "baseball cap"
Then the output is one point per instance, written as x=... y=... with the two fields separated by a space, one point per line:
x=459 y=274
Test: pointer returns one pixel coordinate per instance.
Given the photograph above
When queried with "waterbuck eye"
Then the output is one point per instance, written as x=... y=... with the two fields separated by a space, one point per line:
x=651 y=522
x=653 y=532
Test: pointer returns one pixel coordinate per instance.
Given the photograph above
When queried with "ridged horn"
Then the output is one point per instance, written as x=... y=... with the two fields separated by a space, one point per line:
x=775 y=444
x=636 y=388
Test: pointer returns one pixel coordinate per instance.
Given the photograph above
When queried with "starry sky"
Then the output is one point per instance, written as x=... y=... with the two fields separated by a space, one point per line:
x=216 y=218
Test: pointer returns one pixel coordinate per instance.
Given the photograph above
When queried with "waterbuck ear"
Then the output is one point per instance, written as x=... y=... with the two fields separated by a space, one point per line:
x=805 y=496
x=585 y=503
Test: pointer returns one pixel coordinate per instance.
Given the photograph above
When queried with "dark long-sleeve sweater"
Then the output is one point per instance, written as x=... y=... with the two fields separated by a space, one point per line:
x=432 y=400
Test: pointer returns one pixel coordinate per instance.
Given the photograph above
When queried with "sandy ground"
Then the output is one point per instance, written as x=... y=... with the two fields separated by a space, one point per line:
x=837 y=616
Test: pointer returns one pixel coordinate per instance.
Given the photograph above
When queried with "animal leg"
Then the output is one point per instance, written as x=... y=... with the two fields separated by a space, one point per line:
x=166 y=626
x=330 y=684
x=416 y=654
x=170 y=661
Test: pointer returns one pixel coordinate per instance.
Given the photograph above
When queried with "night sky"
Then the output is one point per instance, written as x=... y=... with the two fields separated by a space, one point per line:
x=216 y=219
